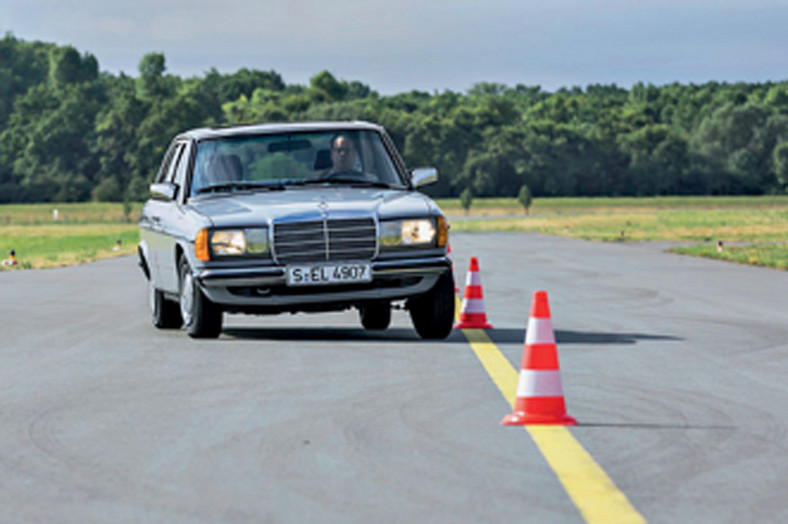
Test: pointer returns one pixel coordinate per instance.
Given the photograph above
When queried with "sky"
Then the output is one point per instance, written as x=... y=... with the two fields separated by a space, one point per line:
x=426 y=45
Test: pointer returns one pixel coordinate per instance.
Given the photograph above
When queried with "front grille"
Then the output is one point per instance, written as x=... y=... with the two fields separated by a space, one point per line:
x=324 y=240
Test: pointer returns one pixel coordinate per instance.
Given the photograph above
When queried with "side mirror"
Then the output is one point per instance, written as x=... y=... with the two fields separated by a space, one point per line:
x=422 y=176
x=166 y=191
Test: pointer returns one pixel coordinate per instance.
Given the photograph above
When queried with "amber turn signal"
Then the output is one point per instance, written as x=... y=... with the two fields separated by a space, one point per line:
x=443 y=232
x=201 y=249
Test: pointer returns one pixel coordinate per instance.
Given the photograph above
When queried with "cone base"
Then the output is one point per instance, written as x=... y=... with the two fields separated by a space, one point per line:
x=472 y=325
x=522 y=419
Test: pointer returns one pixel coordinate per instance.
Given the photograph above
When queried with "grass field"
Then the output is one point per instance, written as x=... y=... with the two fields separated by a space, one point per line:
x=82 y=232
x=753 y=230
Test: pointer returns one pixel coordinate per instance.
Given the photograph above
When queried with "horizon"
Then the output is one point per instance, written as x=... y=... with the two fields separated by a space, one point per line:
x=584 y=88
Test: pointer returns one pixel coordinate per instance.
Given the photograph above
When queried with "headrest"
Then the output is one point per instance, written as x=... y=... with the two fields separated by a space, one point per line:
x=226 y=168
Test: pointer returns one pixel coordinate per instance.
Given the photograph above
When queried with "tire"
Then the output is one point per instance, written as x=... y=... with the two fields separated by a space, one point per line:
x=201 y=317
x=432 y=314
x=375 y=316
x=165 y=314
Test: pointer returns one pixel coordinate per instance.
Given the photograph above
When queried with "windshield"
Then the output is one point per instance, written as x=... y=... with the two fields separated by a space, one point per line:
x=278 y=160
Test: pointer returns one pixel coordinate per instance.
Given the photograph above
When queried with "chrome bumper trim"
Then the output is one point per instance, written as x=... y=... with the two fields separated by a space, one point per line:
x=275 y=275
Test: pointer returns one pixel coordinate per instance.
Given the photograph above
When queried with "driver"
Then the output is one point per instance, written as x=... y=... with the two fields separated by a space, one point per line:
x=343 y=154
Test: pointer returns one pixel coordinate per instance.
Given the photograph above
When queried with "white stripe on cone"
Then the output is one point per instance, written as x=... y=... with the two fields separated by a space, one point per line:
x=474 y=279
x=539 y=331
x=534 y=383
x=472 y=305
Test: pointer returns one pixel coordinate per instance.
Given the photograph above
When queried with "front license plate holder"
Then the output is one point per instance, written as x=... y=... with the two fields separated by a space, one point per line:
x=328 y=274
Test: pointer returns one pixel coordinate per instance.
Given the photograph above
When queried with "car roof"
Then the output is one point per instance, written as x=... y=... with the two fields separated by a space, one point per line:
x=206 y=133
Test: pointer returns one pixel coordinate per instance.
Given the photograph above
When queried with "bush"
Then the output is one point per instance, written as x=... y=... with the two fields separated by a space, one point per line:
x=137 y=190
x=525 y=198
x=108 y=190
x=466 y=199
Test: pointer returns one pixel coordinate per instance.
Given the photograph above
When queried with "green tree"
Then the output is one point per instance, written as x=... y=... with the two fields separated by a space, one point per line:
x=108 y=190
x=525 y=198
x=153 y=84
x=777 y=98
x=136 y=190
x=658 y=159
x=328 y=87
x=22 y=66
x=70 y=132
x=164 y=120
x=215 y=90
x=780 y=160
x=116 y=128
x=49 y=140
x=67 y=67
x=727 y=144
x=466 y=199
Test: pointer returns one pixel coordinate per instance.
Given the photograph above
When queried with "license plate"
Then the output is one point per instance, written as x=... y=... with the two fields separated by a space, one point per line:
x=321 y=274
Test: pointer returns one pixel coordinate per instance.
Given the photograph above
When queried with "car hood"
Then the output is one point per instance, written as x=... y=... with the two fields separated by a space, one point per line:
x=297 y=204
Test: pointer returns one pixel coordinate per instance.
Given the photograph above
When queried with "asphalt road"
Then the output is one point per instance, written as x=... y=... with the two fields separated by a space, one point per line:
x=674 y=368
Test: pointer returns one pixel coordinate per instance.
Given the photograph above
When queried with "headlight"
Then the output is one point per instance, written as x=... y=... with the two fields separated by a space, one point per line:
x=256 y=241
x=404 y=233
x=231 y=242
x=228 y=243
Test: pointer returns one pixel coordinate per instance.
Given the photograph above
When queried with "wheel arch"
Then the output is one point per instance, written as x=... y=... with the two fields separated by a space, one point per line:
x=142 y=254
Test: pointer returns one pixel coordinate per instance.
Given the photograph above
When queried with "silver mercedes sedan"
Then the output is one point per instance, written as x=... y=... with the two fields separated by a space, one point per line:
x=274 y=218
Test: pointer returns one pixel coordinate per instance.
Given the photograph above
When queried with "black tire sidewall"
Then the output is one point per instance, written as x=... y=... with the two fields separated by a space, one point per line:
x=205 y=319
x=433 y=313
x=164 y=314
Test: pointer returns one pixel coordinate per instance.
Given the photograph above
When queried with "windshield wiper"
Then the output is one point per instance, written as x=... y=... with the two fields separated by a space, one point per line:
x=344 y=181
x=240 y=186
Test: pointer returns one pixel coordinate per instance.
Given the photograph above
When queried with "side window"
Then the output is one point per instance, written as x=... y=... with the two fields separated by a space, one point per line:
x=182 y=166
x=170 y=176
x=161 y=176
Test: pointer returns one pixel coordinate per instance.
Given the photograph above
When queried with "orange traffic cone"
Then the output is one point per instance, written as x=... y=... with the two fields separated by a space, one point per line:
x=472 y=315
x=448 y=252
x=540 y=398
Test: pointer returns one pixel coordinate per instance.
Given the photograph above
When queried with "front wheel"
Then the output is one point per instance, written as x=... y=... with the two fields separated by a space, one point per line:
x=201 y=317
x=165 y=314
x=433 y=313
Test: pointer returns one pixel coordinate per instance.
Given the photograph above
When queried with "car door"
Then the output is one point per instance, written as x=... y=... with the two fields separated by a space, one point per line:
x=175 y=228
x=158 y=229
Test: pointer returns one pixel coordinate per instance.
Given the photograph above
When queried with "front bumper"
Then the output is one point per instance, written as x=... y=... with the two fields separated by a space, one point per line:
x=265 y=289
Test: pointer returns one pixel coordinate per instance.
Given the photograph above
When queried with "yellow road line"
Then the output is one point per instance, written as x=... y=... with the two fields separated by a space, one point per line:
x=591 y=490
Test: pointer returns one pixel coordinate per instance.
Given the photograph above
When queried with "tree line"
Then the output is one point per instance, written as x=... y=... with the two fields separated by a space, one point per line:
x=69 y=132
